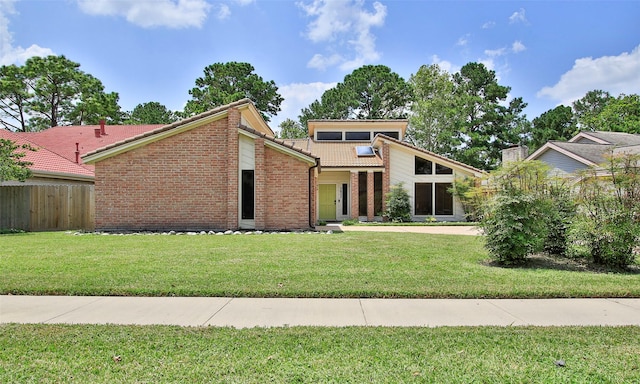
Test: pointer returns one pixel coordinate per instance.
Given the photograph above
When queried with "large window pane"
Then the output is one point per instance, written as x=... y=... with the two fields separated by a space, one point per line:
x=362 y=193
x=423 y=167
x=423 y=199
x=248 y=193
x=444 y=199
x=377 y=192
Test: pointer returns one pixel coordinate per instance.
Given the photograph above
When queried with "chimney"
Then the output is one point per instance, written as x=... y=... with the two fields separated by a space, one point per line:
x=77 y=153
x=102 y=131
x=514 y=153
x=97 y=132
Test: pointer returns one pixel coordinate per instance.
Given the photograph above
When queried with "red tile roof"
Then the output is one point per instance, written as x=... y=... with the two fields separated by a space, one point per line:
x=45 y=162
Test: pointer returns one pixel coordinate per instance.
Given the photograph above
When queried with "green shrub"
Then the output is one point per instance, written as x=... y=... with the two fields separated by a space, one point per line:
x=515 y=227
x=559 y=219
x=350 y=222
x=398 y=204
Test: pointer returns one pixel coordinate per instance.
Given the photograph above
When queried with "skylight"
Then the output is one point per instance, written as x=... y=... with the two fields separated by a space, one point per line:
x=365 y=150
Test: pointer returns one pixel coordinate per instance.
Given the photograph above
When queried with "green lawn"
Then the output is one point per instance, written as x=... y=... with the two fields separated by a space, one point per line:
x=352 y=264
x=160 y=354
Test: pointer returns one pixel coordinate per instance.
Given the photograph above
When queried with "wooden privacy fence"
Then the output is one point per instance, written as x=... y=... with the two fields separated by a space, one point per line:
x=47 y=207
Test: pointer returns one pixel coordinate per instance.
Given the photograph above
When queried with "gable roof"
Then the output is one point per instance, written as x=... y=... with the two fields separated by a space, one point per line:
x=47 y=164
x=605 y=137
x=594 y=151
x=247 y=109
x=282 y=145
x=444 y=160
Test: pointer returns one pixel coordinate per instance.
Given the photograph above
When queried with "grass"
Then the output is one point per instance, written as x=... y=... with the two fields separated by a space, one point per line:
x=353 y=264
x=410 y=223
x=160 y=354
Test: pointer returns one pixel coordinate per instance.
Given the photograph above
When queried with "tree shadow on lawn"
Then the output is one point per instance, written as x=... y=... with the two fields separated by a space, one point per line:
x=545 y=261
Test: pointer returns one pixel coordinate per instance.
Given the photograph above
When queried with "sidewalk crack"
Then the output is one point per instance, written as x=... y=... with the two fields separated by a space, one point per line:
x=218 y=311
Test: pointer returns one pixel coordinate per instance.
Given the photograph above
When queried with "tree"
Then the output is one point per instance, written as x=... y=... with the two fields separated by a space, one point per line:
x=554 y=124
x=11 y=165
x=290 y=129
x=369 y=92
x=50 y=91
x=588 y=108
x=621 y=114
x=14 y=96
x=398 y=204
x=224 y=83
x=151 y=113
x=433 y=113
x=484 y=126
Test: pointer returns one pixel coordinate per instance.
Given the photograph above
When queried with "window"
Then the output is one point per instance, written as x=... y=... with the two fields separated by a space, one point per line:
x=362 y=193
x=364 y=150
x=377 y=193
x=423 y=167
x=443 y=170
x=444 y=199
x=423 y=199
x=345 y=196
x=247 y=201
x=357 y=136
x=333 y=136
x=392 y=134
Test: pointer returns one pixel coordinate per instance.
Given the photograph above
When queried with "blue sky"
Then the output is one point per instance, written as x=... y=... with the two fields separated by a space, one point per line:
x=548 y=52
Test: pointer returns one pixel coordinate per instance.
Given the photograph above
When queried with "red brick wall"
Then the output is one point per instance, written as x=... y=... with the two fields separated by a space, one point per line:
x=176 y=183
x=355 y=197
x=190 y=182
x=287 y=191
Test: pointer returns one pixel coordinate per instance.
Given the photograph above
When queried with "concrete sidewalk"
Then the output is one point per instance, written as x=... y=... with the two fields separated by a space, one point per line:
x=250 y=312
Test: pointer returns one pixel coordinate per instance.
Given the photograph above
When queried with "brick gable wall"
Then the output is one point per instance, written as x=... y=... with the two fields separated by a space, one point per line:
x=176 y=183
x=189 y=181
x=287 y=191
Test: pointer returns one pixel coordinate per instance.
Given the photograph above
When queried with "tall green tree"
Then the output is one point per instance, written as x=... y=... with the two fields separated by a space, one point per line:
x=224 y=83
x=369 y=92
x=151 y=113
x=291 y=129
x=12 y=167
x=554 y=124
x=14 y=98
x=484 y=125
x=589 y=107
x=433 y=112
x=621 y=114
x=50 y=91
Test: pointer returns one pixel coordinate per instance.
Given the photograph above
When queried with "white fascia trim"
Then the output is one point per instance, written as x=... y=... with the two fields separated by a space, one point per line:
x=152 y=138
x=586 y=135
x=61 y=175
x=571 y=155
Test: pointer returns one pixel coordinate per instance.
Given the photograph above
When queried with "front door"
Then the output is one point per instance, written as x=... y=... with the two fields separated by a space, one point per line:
x=327 y=202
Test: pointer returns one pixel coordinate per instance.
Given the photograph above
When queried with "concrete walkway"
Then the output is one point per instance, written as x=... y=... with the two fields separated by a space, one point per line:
x=429 y=229
x=250 y=312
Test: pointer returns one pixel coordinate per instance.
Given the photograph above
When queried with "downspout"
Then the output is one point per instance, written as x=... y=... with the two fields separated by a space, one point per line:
x=311 y=220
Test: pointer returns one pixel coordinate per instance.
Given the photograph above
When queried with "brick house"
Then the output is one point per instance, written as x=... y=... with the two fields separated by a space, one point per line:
x=224 y=169
x=218 y=170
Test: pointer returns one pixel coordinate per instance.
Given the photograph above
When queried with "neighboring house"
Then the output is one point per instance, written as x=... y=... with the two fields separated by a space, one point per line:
x=586 y=149
x=59 y=195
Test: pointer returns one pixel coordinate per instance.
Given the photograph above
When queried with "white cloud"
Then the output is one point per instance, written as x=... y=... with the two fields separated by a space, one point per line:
x=296 y=97
x=495 y=52
x=244 y=2
x=614 y=74
x=8 y=53
x=343 y=23
x=489 y=25
x=518 y=17
x=223 y=12
x=444 y=64
x=517 y=46
x=147 y=14
x=463 y=40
